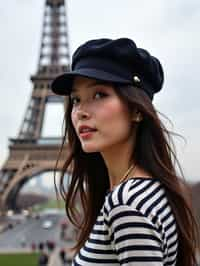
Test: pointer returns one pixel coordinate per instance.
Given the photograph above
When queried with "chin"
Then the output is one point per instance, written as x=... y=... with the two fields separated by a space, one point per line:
x=90 y=148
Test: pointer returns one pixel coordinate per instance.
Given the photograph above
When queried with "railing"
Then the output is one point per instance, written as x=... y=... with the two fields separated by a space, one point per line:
x=40 y=141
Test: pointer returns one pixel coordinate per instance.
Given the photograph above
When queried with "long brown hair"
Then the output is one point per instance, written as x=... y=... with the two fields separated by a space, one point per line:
x=154 y=152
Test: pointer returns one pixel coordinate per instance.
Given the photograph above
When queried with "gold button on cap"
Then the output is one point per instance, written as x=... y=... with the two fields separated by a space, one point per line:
x=136 y=79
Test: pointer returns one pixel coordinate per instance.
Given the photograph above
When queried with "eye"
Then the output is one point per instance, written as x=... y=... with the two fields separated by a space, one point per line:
x=74 y=100
x=99 y=95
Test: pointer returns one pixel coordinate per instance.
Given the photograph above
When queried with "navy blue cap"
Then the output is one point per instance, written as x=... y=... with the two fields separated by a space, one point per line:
x=115 y=61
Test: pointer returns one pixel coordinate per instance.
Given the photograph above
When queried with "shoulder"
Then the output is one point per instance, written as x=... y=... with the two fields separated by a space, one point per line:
x=133 y=192
x=138 y=210
x=145 y=196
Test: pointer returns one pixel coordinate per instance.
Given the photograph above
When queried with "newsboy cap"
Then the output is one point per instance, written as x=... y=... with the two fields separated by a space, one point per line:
x=115 y=61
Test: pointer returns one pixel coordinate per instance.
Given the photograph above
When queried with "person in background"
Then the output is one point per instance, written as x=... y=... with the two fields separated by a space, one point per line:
x=33 y=246
x=43 y=256
x=50 y=245
x=135 y=206
x=63 y=257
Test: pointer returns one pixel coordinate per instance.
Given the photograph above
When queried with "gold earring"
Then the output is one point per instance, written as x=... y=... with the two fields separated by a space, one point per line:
x=138 y=118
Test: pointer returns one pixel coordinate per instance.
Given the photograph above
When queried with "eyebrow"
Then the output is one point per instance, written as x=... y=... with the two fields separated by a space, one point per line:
x=93 y=83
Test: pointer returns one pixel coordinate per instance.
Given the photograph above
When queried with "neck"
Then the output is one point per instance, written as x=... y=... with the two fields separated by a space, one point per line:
x=126 y=175
x=118 y=161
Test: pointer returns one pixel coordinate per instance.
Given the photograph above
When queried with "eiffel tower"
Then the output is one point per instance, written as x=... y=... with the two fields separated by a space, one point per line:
x=30 y=154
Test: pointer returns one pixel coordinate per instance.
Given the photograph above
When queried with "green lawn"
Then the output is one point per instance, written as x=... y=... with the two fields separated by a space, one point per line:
x=19 y=259
x=52 y=203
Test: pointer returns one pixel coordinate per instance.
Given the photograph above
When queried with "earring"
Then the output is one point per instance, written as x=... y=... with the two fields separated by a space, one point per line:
x=138 y=118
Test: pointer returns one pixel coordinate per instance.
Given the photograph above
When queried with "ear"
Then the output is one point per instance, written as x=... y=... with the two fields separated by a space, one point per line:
x=137 y=116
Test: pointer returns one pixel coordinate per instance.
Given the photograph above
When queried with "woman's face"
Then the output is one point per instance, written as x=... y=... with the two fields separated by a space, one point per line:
x=100 y=118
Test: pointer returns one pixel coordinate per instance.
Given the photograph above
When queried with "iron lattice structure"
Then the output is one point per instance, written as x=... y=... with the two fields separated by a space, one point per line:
x=29 y=153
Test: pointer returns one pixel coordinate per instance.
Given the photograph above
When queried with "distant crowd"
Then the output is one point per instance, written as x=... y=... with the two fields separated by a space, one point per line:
x=45 y=251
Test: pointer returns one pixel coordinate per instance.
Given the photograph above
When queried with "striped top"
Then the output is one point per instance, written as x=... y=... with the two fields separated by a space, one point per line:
x=135 y=227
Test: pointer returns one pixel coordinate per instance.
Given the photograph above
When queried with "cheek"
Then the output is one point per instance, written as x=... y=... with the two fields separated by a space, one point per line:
x=114 y=123
x=115 y=111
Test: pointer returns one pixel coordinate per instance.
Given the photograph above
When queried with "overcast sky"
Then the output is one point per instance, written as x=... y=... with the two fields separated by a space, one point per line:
x=168 y=29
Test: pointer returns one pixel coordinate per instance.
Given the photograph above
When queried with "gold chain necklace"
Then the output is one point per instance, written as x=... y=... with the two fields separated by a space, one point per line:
x=124 y=177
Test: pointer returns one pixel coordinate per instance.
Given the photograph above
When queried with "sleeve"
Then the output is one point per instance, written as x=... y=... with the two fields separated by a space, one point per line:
x=135 y=239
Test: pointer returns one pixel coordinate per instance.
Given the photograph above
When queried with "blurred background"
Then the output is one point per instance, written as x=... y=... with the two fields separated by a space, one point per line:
x=170 y=31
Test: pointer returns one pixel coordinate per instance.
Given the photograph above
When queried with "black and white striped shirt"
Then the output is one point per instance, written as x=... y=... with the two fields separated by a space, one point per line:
x=135 y=226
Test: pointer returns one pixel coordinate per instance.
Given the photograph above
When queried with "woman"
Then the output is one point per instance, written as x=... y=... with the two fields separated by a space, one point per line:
x=134 y=208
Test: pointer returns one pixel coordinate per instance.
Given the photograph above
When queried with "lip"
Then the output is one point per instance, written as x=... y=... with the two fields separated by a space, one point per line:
x=85 y=131
x=86 y=135
x=82 y=128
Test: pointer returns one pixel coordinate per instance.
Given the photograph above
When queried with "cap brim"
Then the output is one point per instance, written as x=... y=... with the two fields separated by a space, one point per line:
x=62 y=85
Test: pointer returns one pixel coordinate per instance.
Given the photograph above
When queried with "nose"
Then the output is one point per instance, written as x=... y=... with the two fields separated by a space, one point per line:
x=82 y=113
